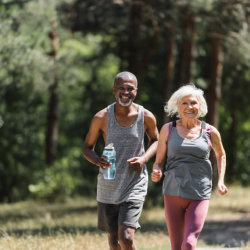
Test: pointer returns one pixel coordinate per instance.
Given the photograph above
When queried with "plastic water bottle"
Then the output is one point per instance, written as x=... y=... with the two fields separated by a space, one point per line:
x=109 y=152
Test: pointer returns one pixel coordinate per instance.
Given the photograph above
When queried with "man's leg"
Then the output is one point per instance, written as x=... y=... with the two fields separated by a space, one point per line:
x=113 y=241
x=129 y=215
x=108 y=222
x=126 y=237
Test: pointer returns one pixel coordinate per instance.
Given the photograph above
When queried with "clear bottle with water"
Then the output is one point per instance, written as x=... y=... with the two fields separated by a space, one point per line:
x=109 y=152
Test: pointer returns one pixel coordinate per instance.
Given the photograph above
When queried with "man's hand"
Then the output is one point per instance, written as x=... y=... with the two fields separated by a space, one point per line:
x=136 y=163
x=103 y=162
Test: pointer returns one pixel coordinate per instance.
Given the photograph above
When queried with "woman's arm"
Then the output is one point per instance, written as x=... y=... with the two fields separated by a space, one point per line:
x=221 y=159
x=160 y=153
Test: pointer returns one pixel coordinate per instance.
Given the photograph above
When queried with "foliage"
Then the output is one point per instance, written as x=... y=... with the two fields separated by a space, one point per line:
x=97 y=39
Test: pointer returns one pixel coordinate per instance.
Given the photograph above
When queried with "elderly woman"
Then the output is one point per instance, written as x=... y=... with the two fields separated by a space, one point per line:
x=188 y=175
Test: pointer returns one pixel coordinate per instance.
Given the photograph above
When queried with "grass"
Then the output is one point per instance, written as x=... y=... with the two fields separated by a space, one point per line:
x=72 y=225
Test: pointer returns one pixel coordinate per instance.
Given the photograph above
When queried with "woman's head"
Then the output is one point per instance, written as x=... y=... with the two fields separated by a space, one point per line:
x=172 y=105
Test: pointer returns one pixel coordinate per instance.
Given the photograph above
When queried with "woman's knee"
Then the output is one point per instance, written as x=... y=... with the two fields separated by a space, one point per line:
x=189 y=244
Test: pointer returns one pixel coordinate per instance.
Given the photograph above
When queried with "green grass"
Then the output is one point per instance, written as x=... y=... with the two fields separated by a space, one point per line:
x=72 y=225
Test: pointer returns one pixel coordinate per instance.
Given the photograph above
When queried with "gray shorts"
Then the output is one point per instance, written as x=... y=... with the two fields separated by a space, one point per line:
x=112 y=215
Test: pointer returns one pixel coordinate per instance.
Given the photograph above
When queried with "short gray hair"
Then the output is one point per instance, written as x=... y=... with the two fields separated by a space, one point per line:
x=171 y=106
x=125 y=74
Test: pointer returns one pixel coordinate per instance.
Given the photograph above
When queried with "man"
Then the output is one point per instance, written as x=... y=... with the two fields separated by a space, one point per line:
x=122 y=123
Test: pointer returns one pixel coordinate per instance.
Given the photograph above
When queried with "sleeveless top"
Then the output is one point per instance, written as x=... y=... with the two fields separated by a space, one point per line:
x=128 y=142
x=188 y=170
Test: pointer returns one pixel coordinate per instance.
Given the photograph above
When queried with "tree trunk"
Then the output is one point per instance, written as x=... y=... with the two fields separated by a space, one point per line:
x=169 y=69
x=185 y=68
x=134 y=31
x=214 y=93
x=231 y=154
x=214 y=90
x=52 y=117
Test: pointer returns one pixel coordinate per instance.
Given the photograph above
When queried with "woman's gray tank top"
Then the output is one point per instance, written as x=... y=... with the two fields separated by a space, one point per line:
x=188 y=170
x=128 y=143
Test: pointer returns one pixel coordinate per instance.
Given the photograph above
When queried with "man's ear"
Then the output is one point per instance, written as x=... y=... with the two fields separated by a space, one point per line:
x=113 y=88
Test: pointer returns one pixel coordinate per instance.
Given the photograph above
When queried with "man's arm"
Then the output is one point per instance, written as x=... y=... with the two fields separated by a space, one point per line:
x=98 y=125
x=152 y=134
x=136 y=163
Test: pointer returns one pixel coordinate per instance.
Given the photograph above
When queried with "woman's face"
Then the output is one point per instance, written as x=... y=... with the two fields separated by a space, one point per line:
x=188 y=107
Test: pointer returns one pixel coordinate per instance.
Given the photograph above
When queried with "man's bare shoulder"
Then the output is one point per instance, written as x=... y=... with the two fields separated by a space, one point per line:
x=100 y=119
x=149 y=119
x=148 y=114
x=102 y=114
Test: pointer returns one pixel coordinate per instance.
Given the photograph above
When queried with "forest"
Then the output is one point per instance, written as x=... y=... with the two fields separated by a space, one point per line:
x=58 y=60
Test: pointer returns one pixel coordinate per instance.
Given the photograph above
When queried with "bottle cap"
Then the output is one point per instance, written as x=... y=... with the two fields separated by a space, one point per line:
x=110 y=146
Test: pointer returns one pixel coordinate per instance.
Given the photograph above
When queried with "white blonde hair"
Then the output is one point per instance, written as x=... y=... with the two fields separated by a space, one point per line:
x=171 y=106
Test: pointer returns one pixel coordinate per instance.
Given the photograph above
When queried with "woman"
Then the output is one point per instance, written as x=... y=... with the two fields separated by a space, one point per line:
x=188 y=176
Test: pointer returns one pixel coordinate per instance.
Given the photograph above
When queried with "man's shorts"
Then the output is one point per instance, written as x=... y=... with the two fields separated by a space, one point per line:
x=112 y=215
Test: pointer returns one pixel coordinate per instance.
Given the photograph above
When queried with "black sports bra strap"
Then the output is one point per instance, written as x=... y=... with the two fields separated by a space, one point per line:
x=174 y=123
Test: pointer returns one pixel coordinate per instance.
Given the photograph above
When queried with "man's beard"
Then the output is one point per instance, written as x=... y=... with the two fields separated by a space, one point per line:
x=125 y=104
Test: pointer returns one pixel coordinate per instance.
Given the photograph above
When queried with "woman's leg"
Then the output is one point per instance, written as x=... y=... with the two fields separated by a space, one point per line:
x=175 y=218
x=195 y=217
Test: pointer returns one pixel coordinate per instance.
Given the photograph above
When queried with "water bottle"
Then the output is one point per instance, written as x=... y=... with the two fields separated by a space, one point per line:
x=109 y=152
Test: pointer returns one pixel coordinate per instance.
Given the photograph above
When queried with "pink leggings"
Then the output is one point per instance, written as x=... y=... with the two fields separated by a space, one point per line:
x=185 y=219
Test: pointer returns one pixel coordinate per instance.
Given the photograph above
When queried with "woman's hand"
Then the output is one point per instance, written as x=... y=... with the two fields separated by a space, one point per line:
x=222 y=189
x=156 y=173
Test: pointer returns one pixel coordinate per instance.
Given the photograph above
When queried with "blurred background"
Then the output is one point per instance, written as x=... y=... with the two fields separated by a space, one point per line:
x=58 y=59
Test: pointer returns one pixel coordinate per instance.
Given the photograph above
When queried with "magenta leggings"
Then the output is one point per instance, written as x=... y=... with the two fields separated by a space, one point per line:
x=185 y=219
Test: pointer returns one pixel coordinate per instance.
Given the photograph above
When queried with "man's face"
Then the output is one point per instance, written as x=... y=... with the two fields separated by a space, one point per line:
x=125 y=91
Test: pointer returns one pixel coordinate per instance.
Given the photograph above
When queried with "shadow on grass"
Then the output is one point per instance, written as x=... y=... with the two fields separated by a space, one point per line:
x=50 y=231
x=226 y=233
x=223 y=233
x=56 y=212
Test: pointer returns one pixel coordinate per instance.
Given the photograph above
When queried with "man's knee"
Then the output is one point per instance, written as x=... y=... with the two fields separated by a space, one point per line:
x=126 y=236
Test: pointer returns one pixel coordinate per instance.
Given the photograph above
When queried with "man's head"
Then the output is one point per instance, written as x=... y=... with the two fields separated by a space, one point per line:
x=125 y=88
x=127 y=75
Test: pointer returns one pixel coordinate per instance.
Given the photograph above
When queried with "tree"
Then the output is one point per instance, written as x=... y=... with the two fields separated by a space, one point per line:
x=52 y=117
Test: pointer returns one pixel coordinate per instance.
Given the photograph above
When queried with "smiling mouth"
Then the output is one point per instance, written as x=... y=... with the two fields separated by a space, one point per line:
x=190 y=113
x=126 y=98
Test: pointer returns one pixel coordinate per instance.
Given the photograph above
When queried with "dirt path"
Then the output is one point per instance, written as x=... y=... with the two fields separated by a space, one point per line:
x=228 y=232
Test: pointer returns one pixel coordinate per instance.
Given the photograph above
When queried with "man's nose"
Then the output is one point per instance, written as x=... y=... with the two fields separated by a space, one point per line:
x=125 y=91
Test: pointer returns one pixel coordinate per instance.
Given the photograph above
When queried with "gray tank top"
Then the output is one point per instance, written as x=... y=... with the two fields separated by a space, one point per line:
x=188 y=170
x=128 y=142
